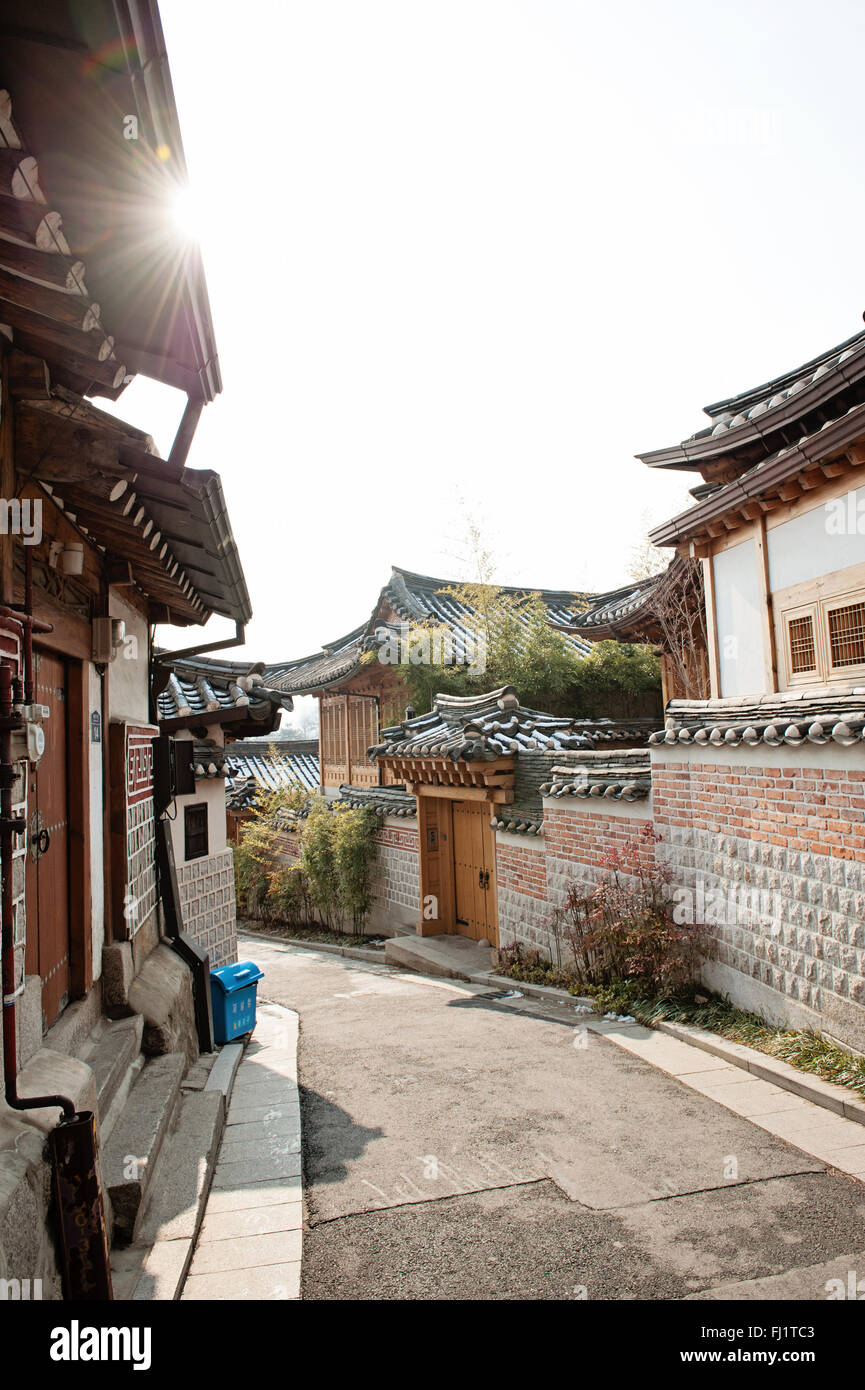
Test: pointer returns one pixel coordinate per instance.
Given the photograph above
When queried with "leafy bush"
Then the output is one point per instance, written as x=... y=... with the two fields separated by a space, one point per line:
x=622 y=931
x=331 y=879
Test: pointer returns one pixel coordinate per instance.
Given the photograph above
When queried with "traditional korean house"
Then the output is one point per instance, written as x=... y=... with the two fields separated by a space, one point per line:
x=101 y=539
x=356 y=678
x=759 y=788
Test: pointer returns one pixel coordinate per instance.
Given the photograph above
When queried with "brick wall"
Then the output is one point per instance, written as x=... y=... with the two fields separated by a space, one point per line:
x=581 y=834
x=207 y=902
x=521 y=889
x=768 y=848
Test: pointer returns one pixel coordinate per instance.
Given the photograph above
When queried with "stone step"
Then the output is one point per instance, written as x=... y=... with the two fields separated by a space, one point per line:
x=129 y=1157
x=169 y=1227
x=113 y=1053
x=454 y=957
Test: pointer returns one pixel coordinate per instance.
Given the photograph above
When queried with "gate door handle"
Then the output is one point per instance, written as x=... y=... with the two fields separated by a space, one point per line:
x=43 y=840
x=486 y=879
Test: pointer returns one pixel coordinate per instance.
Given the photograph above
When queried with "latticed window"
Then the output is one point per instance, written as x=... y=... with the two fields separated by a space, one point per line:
x=803 y=656
x=847 y=635
x=195 y=831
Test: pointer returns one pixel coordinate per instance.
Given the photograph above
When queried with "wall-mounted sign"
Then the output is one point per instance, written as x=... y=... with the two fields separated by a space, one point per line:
x=95 y=727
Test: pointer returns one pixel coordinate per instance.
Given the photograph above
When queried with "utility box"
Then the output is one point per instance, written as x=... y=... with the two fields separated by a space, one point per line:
x=233 y=990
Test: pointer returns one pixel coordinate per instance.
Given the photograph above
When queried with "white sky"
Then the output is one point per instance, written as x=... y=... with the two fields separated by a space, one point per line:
x=485 y=250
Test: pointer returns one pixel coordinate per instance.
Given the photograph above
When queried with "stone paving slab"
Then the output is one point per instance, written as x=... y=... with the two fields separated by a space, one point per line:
x=255 y=1196
x=254 y=1221
x=274 y=1282
x=250 y=1241
x=821 y=1133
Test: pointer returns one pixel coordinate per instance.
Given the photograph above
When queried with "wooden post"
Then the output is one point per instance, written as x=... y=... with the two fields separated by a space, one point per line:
x=767 y=617
x=347 y=705
x=712 y=628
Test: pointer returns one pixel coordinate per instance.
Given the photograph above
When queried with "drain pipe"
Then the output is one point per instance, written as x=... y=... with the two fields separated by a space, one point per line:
x=72 y=1142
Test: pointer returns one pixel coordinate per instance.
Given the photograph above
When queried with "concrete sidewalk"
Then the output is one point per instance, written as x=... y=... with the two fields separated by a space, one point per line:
x=250 y=1242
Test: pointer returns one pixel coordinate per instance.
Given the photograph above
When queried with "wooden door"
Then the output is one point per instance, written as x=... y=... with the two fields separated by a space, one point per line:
x=47 y=900
x=474 y=871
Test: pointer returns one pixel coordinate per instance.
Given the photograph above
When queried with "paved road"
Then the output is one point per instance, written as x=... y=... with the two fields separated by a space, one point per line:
x=460 y=1146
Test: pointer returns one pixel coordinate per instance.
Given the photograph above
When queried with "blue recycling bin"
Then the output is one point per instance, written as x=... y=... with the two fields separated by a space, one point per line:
x=233 y=989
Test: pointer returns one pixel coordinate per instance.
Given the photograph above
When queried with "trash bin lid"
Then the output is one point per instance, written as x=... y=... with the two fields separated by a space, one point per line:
x=237 y=975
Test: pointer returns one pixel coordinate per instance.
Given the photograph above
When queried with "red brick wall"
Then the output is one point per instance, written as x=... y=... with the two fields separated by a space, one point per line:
x=587 y=835
x=522 y=870
x=821 y=811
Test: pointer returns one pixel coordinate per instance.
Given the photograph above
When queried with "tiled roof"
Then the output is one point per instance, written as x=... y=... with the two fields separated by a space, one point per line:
x=385 y=801
x=478 y=727
x=792 y=719
x=199 y=686
x=334 y=662
x=415 y=599
x=210 y=761
x=767 y=418
x=621 y=776
x=766 y=477
x=254 y=764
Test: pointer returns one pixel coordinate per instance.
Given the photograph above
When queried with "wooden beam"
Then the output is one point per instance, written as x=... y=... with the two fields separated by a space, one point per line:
x=48 y=266
x=496 y=796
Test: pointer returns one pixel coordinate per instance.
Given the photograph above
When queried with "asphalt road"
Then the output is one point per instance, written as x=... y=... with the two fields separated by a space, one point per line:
x=460 y=1146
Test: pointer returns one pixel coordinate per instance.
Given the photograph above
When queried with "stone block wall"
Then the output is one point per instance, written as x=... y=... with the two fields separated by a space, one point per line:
x=767 y=848
x=397 y=878
x=207 y=901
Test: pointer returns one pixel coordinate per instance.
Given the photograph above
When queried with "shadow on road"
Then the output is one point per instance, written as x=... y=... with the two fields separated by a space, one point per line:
x=331 y=1138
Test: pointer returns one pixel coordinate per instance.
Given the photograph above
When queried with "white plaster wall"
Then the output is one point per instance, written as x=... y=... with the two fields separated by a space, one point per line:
x=828 y=538
x=97 y=862
x=739 y=621
x=210 y=790
x=127 y=681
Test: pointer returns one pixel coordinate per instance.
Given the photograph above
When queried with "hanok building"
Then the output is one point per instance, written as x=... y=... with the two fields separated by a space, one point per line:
x=759 y=788
x=101 y=540
x=356 y=679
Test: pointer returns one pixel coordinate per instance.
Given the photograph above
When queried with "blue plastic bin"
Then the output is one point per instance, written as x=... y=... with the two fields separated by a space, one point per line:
x=232 y=995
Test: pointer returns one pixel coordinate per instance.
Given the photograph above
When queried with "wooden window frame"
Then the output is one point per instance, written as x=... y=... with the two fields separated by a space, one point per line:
x=187 y=812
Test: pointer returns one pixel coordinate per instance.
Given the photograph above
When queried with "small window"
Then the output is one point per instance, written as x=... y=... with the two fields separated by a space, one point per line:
x=803 y=656
x=847 y=635
x=195 y=831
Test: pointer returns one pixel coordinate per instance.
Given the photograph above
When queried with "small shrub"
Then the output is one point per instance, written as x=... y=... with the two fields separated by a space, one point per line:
x=622 y=930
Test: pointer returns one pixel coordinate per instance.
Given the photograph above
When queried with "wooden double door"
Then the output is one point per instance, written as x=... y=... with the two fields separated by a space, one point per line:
x=47 y=877
x=458 y=867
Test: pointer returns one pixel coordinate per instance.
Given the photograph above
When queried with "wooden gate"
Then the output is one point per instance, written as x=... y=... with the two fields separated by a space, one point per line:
x=47 y=887
x=474 y=871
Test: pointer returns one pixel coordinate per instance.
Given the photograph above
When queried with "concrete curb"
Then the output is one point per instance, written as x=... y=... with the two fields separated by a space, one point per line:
x=353 y=952
x=167 y=1260
x=548 y=992
x=772 y=1069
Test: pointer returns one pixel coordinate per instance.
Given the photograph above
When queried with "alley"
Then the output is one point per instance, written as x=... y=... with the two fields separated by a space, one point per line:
x=461 y=1145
